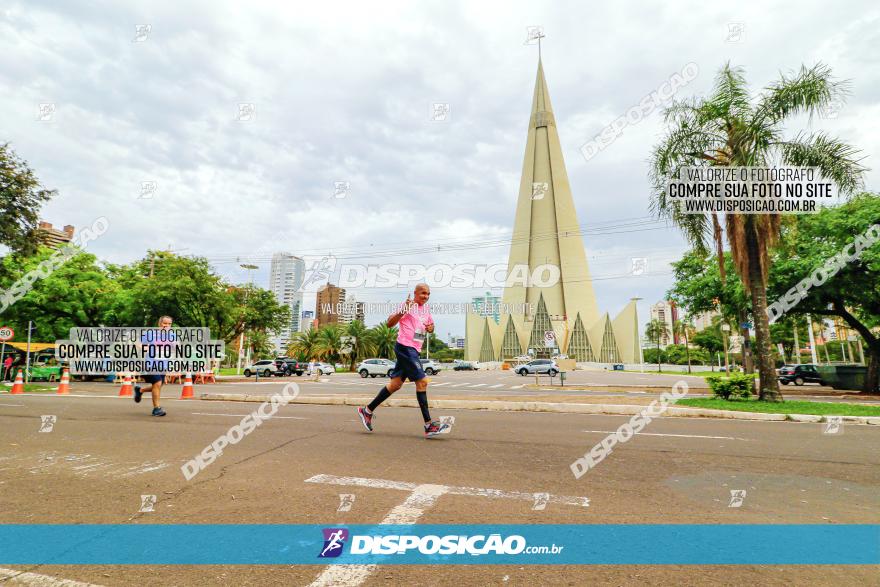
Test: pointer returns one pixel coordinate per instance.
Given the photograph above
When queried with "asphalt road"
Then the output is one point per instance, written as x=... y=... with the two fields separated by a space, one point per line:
x=104 y=453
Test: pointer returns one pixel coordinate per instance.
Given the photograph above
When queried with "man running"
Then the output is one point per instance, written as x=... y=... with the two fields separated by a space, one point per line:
x=415 y=322
x=157 y=379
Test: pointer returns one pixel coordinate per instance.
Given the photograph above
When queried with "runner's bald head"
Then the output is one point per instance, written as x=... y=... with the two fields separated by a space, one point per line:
x=422 y=293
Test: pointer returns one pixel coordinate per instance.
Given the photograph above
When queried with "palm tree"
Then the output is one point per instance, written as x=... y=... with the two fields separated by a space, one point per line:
x=360 y=342
x=681 y=328
x=730 y=129
x=303 y=345
x=383 y=339
x=655 y=331
x=329 y=344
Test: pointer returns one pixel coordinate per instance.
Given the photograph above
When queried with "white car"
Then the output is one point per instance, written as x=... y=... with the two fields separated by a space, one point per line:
x=325 y=368
x=265 y=368
x=375 y=367
x=430 y=367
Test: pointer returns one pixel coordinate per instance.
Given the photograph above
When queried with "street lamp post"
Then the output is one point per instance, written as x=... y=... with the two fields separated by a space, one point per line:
x=249 y=268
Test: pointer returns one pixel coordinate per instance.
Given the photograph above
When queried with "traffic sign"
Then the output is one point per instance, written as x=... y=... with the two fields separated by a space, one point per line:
x=6 y=333
x=549 y=339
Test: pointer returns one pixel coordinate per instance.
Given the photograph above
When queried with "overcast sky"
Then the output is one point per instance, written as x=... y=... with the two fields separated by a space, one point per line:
x=344 y=92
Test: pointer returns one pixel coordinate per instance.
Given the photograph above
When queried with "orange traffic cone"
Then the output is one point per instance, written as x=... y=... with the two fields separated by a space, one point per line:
x=187 y=392
x=126 y=389
x=18 y=386
x=64 y=387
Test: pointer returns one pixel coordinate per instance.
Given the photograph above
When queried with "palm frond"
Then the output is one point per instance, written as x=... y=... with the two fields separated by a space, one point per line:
x=730 y=96
x=809 y=90
x=836 y=159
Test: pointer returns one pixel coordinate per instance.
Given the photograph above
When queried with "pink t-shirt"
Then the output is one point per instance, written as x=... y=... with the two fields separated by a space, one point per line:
x=411 y=328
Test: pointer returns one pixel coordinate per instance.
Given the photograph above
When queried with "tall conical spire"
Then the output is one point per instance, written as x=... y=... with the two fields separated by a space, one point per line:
x=546 y=232
x=546 y=229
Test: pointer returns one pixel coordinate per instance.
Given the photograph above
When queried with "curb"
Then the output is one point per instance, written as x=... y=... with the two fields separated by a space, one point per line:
x=547 y=407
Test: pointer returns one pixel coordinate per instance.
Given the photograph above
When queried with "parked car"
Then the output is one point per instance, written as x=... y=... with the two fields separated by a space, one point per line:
x=466 y=366
x=548 y=366
x=430 y=367
x=266 y=368
x=799 y=374
x=325 y=368
x=288 y=366
x=375 y=367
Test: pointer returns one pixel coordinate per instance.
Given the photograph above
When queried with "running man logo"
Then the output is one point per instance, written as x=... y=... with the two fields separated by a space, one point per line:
x=334 y=540
x=148 y=503
x=737 y=497
x=319 y=272
x=833 y=425
x=346 y=500
x=47 y=423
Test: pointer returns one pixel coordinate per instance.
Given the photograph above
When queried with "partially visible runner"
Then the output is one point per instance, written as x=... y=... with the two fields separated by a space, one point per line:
x=415 y=322
x=156 y=379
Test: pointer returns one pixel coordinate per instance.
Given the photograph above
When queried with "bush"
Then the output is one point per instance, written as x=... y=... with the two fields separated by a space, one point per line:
x=736 y=386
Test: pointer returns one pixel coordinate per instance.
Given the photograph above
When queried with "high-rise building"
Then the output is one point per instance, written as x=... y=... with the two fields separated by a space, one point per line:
x=52 y=237
x=487 y=305
x=456 y=342
x=285 y=281
x=666 y=312
x=556 y=312
x=703 y=320
x=308 y=316
x=330 y=300
x=351 y=309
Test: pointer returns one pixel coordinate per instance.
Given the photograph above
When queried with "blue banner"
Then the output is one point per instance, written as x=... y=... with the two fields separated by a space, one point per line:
x=477 y=544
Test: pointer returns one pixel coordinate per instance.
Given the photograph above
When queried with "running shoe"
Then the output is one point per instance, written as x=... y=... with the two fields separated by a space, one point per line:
x=434 y=428
x=158 y=412
x=138 y=394
x=366 y=418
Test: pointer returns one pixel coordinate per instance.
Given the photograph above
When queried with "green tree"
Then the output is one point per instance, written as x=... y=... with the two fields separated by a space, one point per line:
x=383 y=339
x=435 y=344
x=360 y=342
x=303 y=345
x=78 y=292
x=186 y=289
x=682 y=328
x=655 y=331
x=853 y=292
x=710 y=341
x=329 y=343
x=21 y=197
x=730 y=128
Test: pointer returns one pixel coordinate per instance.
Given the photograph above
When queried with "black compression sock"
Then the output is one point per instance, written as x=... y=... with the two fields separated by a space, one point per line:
x=381 y=397
x=422 y=397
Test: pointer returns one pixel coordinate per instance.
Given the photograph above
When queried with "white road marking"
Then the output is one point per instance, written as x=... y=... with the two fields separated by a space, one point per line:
x=37 y=580
x=460 y=384
x=243 y=415
x=518 y=386
x=674 y=435
x=479 y=385
x=440 y=384
x=11 y=405
x=496 y=386
x=421 y=498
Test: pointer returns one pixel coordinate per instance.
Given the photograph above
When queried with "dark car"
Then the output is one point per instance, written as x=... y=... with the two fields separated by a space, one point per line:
x=287 y=366
x=465 y=367
x=799 y=374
